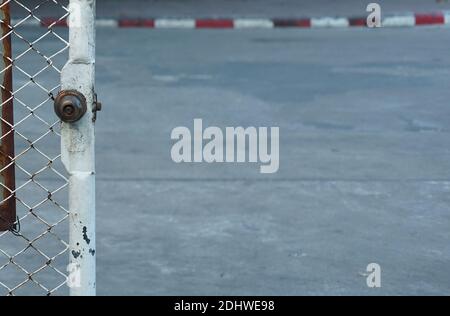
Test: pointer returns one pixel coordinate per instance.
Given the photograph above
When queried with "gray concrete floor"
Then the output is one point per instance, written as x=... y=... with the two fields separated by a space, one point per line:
x=364 y=174
x=365 y=162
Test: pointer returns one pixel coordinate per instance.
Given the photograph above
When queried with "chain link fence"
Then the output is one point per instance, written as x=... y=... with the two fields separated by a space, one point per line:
x=34 y=252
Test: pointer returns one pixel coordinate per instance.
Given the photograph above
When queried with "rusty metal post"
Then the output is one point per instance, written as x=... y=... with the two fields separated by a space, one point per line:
x=78 y=148
x=7 y=170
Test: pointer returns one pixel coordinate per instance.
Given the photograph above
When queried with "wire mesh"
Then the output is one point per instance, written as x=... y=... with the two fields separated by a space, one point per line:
x=33 y=260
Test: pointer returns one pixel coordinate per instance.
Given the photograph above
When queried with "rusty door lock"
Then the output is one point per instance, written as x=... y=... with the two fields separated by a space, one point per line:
x=70 y=106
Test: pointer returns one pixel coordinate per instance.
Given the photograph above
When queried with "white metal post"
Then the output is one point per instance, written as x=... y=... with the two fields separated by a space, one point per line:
x=77 y=149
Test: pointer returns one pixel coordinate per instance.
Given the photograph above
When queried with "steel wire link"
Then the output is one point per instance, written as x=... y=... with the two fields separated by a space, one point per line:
x=33 y=261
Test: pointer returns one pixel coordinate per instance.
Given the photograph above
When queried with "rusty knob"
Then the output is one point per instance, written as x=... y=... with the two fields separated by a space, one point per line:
x=70 y=106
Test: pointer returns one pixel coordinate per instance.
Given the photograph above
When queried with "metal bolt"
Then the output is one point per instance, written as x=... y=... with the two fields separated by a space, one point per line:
x=98 y=106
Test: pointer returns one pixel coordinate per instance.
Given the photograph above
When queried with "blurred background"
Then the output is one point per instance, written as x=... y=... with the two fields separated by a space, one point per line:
x=249 y=8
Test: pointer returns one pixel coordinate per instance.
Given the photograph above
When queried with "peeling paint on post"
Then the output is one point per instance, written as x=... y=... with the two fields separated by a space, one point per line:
x=7 y=170
x=78 y=140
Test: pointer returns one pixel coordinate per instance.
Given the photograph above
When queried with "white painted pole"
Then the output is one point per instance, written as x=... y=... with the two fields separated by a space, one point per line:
x=78 y=154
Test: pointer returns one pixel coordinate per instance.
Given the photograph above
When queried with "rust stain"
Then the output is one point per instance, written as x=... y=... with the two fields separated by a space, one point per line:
x=8 y=206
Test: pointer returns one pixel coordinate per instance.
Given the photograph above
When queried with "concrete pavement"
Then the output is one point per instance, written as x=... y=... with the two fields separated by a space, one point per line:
x=364 y=173
x=364 y=163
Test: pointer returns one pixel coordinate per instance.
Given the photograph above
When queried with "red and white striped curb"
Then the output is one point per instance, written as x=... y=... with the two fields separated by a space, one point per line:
x=404 y=20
